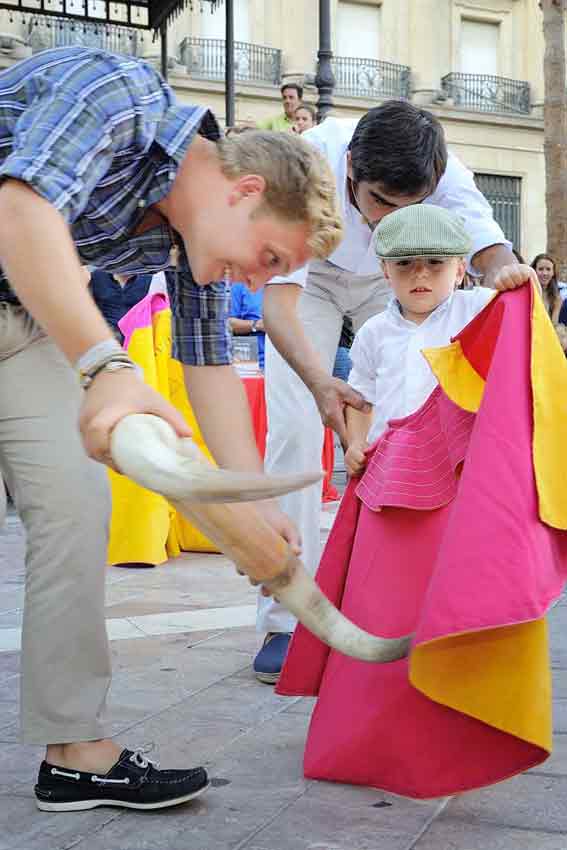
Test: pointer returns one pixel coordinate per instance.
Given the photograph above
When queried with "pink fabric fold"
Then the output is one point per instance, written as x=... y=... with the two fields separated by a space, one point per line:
x=141 y=315
x=414 y=463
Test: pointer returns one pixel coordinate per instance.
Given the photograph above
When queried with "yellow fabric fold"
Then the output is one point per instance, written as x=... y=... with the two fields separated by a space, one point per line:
x=549 y=393
x=458 y=379
x=144 y=527
x=478 y=674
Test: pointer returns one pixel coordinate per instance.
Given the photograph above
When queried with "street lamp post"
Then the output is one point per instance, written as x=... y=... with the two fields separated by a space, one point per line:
x=324 y=79
x=229 y=65
x=163 y=42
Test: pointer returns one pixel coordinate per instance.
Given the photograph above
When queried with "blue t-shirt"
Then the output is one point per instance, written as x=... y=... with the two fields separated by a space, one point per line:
x=245 y=304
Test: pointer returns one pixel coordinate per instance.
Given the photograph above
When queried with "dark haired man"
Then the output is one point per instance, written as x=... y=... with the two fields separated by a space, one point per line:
x=394 y=156
x=292 y=94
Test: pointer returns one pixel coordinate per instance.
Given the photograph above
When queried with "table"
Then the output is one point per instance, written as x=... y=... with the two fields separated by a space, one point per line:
x=254 y=386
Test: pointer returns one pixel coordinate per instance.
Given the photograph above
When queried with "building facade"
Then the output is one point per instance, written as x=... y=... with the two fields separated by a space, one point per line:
x=477 y=64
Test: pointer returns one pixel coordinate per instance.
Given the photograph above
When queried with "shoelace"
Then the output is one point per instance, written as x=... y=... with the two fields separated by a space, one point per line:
x=140 y=759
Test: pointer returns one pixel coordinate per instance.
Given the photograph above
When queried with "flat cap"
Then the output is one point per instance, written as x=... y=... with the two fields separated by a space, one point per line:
x=421 y=230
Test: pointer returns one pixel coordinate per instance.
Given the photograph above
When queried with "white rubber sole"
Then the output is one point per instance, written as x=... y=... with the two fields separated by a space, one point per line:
x=82 y=805
x=268 y=678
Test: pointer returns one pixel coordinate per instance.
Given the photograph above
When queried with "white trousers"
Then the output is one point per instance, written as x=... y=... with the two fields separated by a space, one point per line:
x=295 y=431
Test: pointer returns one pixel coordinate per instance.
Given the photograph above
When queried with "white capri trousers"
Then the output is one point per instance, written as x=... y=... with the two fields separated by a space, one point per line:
x=295 y=431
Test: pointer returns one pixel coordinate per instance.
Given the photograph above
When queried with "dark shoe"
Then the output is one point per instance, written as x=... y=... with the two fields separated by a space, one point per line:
x=269 y=661
x=133 y=783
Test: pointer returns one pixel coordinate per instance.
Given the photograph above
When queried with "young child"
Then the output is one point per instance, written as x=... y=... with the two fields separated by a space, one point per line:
x=423 y=250
x=400 y=560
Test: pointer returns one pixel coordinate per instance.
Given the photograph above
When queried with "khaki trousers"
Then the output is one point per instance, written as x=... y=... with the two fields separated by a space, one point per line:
x=63 y=500
x=295 y=432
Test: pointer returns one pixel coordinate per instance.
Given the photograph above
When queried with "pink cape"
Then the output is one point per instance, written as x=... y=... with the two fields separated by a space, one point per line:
x=441 y=537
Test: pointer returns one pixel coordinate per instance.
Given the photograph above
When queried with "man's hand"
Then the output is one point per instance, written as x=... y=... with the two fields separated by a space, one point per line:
x=111 y=397
x=332 y=396
x=355 y=459
x=281 y=523
x=490 y=260
x=512 y=277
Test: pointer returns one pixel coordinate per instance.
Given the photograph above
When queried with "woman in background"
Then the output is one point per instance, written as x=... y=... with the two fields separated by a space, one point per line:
x=545 y=268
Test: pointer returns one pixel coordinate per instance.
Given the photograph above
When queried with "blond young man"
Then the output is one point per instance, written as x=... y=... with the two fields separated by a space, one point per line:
x=100 y=166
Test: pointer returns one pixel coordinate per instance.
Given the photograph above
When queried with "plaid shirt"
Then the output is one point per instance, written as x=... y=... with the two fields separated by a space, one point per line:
x=101 y=138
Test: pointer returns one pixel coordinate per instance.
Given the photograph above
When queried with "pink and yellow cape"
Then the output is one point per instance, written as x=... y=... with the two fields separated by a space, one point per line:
x=456 y=532
x=144 y=527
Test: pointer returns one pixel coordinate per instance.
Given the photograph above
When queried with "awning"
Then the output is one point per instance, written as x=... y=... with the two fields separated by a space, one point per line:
x=144 y=14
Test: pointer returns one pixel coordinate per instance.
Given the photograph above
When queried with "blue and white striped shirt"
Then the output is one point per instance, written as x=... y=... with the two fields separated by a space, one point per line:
x=101 y=138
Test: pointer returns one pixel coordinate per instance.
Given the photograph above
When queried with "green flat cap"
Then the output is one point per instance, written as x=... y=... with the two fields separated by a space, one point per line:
x=421 y=230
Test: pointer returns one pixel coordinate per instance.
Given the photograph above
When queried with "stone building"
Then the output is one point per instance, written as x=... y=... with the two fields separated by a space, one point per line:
x=477 y=64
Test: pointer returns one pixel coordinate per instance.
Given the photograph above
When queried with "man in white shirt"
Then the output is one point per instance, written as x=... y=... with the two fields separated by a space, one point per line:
x=394 y=157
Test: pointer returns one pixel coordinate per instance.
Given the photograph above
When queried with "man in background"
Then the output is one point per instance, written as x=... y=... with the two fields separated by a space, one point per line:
x=292 y=94
x=246 y=316
x=115 y=294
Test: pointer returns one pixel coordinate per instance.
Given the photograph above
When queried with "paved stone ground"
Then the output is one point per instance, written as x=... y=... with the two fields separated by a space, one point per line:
x=193 y=695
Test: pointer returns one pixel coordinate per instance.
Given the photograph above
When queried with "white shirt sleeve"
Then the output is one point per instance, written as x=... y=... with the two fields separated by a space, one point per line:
x=298 y=277
x=458 y=192
x=364 y=356
x=329 y=138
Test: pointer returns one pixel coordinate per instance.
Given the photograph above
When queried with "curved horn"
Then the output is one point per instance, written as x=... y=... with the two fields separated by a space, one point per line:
x=265 y=557
x=241 y=532
x=147 y=450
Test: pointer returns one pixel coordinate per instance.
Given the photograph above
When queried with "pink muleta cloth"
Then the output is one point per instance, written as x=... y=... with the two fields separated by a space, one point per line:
x=457 y=533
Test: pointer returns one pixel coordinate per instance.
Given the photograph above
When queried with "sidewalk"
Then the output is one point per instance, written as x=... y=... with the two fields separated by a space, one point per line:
x=182 y=643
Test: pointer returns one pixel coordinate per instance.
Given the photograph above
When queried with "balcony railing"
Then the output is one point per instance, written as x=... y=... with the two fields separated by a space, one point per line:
x=45 y=31
x=485 y=93
x=205 y=58
x=370 y=78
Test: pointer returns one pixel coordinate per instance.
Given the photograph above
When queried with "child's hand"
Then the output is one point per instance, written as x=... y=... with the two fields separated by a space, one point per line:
x=355 y=459
x=514 y=276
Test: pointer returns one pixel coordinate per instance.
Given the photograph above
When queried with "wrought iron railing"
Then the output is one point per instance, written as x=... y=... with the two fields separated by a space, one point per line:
x=49 y=31
x=486 y=93
x=371 y=78
x=205 y=58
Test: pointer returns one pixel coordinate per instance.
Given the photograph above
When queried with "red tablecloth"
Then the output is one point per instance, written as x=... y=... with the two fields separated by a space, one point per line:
x=254 y=386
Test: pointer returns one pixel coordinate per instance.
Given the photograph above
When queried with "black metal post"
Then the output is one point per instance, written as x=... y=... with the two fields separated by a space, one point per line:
x=163 y=39
x=229 y=65
x=324 y=79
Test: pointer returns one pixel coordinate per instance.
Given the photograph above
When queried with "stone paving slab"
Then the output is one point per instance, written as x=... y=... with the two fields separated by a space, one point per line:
x=446 y=834
x=193 y=697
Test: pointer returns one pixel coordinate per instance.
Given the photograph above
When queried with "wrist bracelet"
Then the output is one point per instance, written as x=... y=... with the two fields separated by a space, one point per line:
x=98 y=354
x=112 y=364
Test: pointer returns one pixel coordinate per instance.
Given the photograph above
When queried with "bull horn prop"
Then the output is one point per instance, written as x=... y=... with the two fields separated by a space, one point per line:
x=147 y=450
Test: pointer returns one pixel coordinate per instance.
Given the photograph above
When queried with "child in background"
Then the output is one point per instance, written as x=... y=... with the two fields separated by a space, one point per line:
x=423 y=250
x=305 y=117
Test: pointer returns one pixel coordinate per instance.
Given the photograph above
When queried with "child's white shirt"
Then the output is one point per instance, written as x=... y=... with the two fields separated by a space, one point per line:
x=388 y=368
